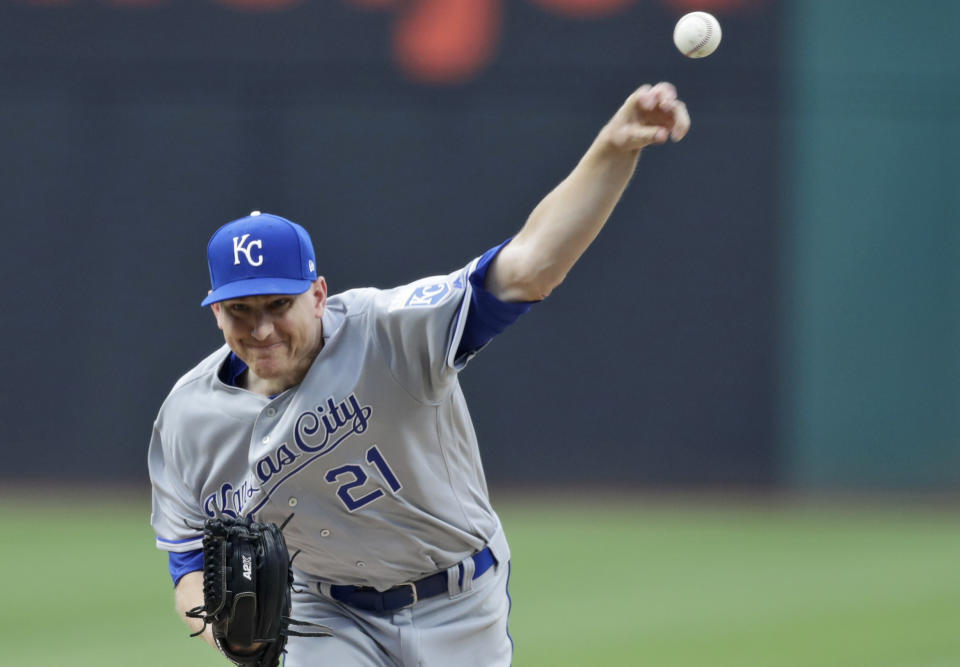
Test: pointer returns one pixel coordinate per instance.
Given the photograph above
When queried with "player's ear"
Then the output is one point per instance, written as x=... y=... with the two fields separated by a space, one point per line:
x=319 y=291
x=217 y=314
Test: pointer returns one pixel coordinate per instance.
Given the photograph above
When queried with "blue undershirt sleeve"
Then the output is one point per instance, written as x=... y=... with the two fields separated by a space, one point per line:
x=488 y=315
x=184 y=563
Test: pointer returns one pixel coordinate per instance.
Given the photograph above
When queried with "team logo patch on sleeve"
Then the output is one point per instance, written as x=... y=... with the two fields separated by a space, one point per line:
x=426 y=294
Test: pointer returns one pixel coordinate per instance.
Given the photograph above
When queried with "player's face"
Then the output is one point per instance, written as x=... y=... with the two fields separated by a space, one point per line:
x=279 y=335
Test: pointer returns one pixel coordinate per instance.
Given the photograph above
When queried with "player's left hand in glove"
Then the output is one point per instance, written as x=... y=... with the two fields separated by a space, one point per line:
x=246 y=591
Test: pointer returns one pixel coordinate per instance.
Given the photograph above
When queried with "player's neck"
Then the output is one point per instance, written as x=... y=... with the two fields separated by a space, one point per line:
x=266 y=386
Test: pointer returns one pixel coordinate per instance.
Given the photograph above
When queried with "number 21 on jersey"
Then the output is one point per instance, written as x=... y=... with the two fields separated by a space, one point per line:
x=355 y=476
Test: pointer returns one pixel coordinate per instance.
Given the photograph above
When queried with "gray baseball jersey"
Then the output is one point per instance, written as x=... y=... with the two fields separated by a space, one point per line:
x=373 y=452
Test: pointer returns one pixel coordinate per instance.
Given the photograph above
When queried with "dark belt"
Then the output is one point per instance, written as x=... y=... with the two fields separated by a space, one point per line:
x=406 y=595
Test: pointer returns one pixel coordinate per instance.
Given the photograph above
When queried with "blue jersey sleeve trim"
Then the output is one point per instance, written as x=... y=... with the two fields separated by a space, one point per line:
x=488 y=316
x=184 y=563
x=189 y=539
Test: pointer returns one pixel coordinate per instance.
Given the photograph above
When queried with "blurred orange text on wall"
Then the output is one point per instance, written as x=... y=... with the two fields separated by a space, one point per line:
x=448 y=41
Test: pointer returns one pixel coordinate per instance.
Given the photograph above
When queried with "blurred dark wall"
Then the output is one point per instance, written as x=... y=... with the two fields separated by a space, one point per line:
x=132 y=132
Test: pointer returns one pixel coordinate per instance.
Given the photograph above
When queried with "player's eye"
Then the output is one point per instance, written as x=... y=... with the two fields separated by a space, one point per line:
x=278 y=304
x=239 y=307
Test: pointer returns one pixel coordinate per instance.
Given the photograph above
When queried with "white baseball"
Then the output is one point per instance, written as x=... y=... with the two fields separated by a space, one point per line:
x=697 y=34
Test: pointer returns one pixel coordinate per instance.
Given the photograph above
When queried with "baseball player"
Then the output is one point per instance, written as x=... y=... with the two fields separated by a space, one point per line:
x=345 y=411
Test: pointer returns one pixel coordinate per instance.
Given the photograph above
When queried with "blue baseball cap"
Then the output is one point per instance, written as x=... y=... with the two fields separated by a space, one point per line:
x=259 y=254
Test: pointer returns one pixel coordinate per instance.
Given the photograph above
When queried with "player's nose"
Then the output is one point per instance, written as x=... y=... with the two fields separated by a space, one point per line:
x=262 y=328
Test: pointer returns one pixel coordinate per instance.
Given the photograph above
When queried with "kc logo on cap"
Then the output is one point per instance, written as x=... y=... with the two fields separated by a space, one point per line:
x=238 y=248
x=259 y=254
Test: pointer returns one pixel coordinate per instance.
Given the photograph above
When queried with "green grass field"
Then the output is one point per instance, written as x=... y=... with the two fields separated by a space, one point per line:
x=629 y=581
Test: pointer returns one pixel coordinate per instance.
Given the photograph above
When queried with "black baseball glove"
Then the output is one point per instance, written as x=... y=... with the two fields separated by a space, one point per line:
x=246 y=591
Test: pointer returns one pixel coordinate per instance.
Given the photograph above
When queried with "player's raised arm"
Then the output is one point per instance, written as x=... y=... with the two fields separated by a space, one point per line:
x=568 y=219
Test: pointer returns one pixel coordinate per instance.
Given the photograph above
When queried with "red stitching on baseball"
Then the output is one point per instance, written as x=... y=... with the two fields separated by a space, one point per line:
x=706 y=38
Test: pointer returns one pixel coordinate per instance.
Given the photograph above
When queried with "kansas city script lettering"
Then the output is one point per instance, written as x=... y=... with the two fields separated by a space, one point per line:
x=316 y=432
x=228 y=501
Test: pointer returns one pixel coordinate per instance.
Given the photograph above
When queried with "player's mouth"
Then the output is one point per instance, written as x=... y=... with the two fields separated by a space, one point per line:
x=260 y=348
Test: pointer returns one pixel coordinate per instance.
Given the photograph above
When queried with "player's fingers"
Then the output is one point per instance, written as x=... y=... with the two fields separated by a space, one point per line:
x=681 y=122
x=664 y=91
x=635 y=137
x=642 y=98
x=662 y=96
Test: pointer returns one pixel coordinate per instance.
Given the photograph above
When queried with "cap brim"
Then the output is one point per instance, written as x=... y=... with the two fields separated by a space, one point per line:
x=256 y=287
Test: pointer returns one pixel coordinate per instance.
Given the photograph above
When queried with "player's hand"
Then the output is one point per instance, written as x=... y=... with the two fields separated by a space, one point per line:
x=651 y=115
x=245 y=650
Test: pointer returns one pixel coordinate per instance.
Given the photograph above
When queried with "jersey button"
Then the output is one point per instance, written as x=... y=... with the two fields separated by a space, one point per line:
x=324 y=533
x=360 y=563
x=271 y=412
x=292 y=502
